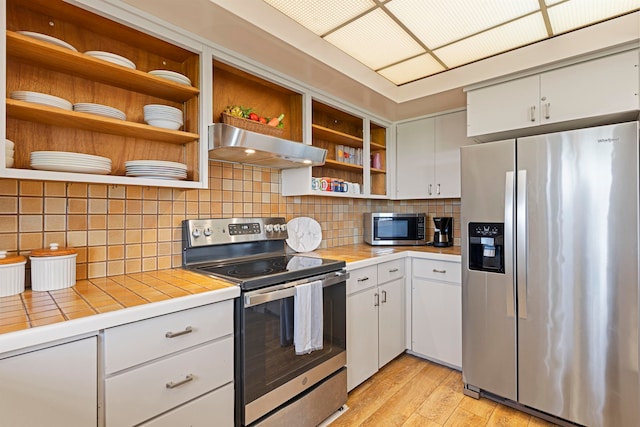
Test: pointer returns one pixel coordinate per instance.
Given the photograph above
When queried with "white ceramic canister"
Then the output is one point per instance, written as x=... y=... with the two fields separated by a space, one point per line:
x=11 y=274
x=53 y=268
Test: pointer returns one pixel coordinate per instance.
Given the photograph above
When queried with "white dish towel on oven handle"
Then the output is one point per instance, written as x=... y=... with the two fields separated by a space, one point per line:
x=307 y=317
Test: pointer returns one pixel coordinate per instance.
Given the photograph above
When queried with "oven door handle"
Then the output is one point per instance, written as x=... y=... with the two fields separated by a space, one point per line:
x=287 y=290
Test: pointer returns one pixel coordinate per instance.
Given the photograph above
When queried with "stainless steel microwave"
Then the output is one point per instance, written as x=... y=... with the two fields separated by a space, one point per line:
x=395 y=228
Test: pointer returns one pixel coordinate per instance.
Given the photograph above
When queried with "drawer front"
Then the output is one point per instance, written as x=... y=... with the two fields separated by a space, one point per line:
x=139 y=342
x=437 y=270
x=144 y=392
x=390 y=270
x=362 y=278
x=212 y=409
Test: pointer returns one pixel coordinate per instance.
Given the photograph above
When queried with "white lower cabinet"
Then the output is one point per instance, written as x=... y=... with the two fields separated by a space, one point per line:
x=163 y=369
x=375 y=319
x=436 y=302
x=53 y=387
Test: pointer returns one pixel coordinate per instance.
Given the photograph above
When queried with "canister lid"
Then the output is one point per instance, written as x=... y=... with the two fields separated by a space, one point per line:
x=14 y=259
x=52 y=250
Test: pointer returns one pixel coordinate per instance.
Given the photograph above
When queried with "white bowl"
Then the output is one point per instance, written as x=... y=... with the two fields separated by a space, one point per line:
x=164 y=123
x=8 y=144
x=8 y=162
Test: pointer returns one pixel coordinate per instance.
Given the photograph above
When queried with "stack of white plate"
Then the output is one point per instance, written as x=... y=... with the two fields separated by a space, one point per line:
x=163 y=116
x=48 y=39
x=111 y=57
x=156 y=169
x=9 y=153
x=171 y=75
x=64 y=161
x=41 y=98
x=100 y=110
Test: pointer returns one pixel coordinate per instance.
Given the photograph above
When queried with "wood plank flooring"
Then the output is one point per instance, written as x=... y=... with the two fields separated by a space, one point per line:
x=411 y=392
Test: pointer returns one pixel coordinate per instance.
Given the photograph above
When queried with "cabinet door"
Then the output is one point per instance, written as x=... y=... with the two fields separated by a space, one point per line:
x=54 y=387
x=362 y=336
x=450 y=135
x=390 y=321
x=505 y=106
x=603 y=86
x=437 y=321
x=415 y=146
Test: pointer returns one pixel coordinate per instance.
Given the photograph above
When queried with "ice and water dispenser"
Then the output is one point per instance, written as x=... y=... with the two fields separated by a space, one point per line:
x=486 y=246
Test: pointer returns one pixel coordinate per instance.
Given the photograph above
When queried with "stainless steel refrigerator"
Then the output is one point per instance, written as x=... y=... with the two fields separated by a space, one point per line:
x=550 y=273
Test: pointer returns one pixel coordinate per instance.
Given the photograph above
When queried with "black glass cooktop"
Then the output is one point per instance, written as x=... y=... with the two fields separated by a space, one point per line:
x=260 y=272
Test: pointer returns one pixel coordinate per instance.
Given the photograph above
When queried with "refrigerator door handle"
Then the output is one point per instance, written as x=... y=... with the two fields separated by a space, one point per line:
x=522 y=243
x=508 y=241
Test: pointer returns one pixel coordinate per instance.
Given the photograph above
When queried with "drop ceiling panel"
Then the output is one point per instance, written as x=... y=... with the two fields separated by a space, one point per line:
x=412 y=69
x=437 y=23
x=574 y=14
x=375 y=40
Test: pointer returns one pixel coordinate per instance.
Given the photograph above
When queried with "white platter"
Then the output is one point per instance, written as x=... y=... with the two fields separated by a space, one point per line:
x=155 y=163
x=41 y=98
x=100 y=110
x=305 y=234
x=171 y=75
x=111 y=57
x=49 y=39
x=65 y=167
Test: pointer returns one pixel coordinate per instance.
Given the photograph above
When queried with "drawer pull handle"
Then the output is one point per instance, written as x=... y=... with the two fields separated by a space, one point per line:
x=186 y=379
x=439 y=271
x=393 y=270
x=187 y=330
x=364 y=279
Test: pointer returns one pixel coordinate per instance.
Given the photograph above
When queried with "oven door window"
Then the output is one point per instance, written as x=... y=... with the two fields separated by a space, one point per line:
x=270 y=359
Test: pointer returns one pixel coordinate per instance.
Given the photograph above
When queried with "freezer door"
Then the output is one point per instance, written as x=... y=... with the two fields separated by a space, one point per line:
x=488 y=319
x=577 y=272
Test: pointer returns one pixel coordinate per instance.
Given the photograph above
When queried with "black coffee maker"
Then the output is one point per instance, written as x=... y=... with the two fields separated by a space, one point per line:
x=443 y=233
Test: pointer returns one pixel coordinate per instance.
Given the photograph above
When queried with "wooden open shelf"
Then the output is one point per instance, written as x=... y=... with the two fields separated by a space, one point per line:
x=58 y=117
x=57 y=58
x=335 y=136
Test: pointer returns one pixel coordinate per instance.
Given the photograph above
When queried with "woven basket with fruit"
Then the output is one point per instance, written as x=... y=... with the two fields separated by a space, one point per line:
x=246 y=118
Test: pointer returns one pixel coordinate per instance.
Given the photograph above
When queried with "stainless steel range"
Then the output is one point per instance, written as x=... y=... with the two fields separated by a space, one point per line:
x=274 y=384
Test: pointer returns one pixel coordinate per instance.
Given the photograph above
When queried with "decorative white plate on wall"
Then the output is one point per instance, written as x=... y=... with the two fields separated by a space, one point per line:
x=305 y=234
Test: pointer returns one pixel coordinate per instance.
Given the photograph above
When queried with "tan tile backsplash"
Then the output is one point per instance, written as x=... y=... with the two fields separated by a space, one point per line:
x=128 y=229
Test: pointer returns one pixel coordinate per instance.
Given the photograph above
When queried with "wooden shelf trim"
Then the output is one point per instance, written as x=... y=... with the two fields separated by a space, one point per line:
x=348 y=167
x=60 y=59
x=336 y=136
x=377 y=147
x=71 y=119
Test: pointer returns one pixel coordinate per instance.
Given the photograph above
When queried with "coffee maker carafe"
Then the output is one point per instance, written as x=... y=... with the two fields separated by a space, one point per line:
x=443 y=233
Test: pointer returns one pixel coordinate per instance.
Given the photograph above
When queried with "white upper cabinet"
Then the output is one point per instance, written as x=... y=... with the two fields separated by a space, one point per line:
x=428 y=156
x=593 y=92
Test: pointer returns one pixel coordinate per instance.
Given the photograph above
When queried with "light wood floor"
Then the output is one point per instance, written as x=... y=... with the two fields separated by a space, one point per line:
x=411 y=392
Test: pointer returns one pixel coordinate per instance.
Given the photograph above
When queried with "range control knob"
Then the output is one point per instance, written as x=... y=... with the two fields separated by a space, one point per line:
x=276 y=228
x=283 y=227
x=207 y=232
x=268 y=228
x=195 y=232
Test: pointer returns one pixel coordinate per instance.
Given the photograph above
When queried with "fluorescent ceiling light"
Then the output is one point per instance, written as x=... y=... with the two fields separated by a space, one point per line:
x=405 y=40
x=321 y=16
x=578 y=13
x=500 y=39
x=412 y=69
x=375 y=40
x=437 y=23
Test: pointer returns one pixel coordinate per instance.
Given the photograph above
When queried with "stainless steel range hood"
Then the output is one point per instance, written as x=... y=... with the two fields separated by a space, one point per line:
x=231 y=144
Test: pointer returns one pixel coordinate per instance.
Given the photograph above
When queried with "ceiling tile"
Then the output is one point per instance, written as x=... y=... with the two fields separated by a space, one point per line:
x=500 y=39
x=578 y=13
x=437 y=23
x=412 y=69
x=321 y=16
x=375 y=40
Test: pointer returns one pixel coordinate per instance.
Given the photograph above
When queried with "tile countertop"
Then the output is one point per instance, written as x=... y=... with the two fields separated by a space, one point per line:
x=34 y=318
x=362 y=254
